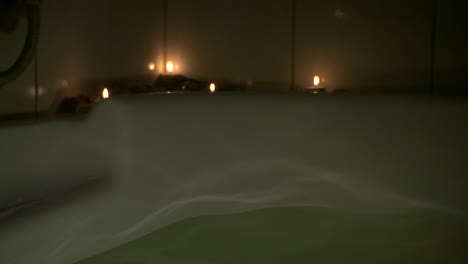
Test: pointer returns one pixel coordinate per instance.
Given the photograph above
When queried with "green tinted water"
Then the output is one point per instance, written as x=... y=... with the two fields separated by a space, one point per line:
x=301 y=235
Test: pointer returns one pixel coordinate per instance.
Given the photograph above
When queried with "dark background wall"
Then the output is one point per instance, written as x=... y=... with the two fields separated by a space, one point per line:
x=234 y=40
x=451 y=60
x=356 y=45
x=19 y=95
x=365 y=45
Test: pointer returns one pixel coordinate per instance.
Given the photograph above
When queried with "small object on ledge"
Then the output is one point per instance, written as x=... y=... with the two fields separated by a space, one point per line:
x=315 y=90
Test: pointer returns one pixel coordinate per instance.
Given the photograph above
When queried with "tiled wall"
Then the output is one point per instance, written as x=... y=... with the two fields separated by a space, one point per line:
x=239 y=40
x=83 y=44
x=359 y=45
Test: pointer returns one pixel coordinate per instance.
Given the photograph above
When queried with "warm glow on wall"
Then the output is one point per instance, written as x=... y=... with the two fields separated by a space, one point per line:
x=317 y=81
x=170 y=67
x=151 y=66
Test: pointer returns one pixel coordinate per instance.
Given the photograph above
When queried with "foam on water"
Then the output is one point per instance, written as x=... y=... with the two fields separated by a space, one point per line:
x=167 y=159
x=301 y=235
